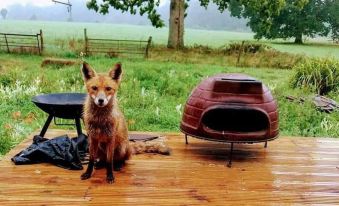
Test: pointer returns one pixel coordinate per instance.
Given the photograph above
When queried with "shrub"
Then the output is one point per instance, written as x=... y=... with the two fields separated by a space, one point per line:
x=200 y=49
x=245 y=47
x=253 y=55
x=318 y=75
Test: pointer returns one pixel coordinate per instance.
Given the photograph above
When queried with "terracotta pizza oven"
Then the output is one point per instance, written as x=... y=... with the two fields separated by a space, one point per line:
x=233 y=108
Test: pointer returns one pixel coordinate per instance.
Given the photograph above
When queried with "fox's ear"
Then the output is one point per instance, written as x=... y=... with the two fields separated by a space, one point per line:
x=87 y=71
x=116 y=72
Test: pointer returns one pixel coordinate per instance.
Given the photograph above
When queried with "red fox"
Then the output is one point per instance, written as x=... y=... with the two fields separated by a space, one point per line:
x=106 y=126
x=105 y=123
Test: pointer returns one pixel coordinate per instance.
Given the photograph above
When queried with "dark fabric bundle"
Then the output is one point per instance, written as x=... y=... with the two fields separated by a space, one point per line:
x=61 y=151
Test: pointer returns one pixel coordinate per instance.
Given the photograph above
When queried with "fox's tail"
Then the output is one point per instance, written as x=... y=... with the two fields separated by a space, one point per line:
x=158 y=146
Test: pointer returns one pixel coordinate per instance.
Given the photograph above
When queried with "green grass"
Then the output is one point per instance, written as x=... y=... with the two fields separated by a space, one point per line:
x=153 y=91
x=70 y=30
x=311 y=49
x=150 y=95
x=67 y=30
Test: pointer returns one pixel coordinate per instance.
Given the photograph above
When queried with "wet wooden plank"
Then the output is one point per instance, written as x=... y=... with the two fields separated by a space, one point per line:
x=292 y=170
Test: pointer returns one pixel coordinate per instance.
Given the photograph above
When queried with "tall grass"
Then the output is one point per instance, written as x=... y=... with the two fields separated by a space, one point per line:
x=319 y=75
x=251 y=55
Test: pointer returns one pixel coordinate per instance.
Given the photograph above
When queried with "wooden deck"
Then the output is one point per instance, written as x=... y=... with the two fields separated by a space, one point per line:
x=289 y=171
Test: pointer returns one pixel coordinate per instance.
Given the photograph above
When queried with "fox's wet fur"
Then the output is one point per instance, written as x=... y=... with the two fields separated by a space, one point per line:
x=105 y=123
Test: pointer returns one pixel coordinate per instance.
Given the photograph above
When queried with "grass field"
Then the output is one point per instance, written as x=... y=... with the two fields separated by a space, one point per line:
x=71 y=30
x=152 y=95
x=153 y=91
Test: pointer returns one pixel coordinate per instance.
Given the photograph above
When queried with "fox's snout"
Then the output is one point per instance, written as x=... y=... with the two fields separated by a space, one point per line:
x=101 y=99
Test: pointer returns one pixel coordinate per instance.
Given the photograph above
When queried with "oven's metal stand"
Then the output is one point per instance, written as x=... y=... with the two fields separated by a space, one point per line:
x=229 y=164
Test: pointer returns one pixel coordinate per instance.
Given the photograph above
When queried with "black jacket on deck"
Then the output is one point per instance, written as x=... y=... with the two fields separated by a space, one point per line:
x=61 y=151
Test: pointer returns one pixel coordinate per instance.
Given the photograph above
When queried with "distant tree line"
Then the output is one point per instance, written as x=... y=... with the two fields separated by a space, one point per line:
x=199 y=18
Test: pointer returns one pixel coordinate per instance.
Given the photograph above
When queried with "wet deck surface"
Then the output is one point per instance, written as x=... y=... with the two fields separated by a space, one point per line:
x=290 y=171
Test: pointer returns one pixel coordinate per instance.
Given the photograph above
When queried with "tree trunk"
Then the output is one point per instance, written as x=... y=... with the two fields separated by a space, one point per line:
x=176 y=24
x=298 y=39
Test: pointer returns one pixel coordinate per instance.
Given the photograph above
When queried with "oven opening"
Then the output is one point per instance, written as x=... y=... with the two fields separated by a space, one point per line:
x=235 y=120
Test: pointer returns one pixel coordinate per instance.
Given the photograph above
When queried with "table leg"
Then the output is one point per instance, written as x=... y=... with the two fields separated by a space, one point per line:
x=44 y=129
x=78 y=126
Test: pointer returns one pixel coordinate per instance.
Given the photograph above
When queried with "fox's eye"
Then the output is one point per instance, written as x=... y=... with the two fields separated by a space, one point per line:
x=94 y=88
x=108 y=89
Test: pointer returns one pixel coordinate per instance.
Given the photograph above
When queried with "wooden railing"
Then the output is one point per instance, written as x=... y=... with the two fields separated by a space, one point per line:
x=22 y=43
x=115 y=47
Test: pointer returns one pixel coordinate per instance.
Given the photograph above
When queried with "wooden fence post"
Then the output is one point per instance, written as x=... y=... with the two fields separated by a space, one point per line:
x=7 y=43
x=240 y=51
x=148 y=46
x=38 y=42
x=41 y=41
x=86 y=41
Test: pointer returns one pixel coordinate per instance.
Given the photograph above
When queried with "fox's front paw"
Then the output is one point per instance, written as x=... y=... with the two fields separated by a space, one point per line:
x=110 y=178
x=85 y=176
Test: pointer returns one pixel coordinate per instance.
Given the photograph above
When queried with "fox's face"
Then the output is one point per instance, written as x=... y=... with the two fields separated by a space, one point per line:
x=101 y=87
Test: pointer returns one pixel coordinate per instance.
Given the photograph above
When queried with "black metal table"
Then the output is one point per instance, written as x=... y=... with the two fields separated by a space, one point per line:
x=61 y=105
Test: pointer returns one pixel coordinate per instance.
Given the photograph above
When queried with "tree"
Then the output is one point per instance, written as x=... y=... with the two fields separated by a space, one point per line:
x=4 y=13
x=176 y=24
x=266 y=8
x=332 y=8
x=295 y=20
x=33 y=17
